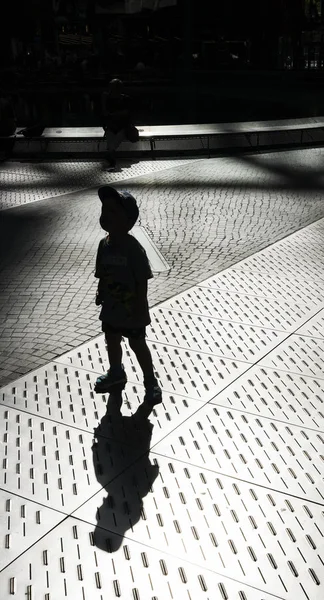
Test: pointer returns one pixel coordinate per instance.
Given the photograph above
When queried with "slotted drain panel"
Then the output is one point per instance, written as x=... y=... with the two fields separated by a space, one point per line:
x=274 y=262
x=314 y=327
x=66 y=395
x=22 y=523
x=270 y=453
x=252 y=310
x=222 y=338
x=302 y=250
x=53 y=464
x=262 y=284
x=299 y=355
x=68 y=564
x=312 y=232
x=307 y=241
x=184 y=372
x=263 y=538
x=288 y=397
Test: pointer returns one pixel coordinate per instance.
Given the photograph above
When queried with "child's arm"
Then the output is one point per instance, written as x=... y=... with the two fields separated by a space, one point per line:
x=142 y=272
x=99 y=298
x=98 y=275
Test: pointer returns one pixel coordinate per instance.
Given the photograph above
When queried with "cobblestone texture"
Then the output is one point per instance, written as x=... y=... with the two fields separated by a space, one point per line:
x=52 y=179
x=204 y=216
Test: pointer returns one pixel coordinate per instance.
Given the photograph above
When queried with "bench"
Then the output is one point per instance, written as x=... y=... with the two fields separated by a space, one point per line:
x=167 y=139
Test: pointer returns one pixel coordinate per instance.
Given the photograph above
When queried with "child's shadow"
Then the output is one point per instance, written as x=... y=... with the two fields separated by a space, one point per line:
x=123 y=507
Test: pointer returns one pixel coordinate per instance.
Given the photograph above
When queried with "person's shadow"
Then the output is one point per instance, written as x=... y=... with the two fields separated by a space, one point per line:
x=123 y=507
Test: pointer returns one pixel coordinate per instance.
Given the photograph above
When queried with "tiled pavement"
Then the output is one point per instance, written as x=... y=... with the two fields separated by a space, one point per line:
x=218 y=493
x=22 y=182
x=202 y=215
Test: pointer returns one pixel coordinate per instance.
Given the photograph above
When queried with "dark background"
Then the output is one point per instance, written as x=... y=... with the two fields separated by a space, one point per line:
x=182 y=61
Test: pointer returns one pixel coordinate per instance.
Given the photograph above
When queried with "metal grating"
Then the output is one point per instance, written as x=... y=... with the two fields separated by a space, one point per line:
x=269 y=453
x=67 y=564
x=222 y=338
x=313 y=231
x=52 y=464
x=314 y=327
x=22 y=523
x=57 y=392
x=252 y=534
x=274 y=313
x=299 y=355
x=292 y=263
x=262 y=284
x=184 y=372
x=299 y=256
x=65 y=394
x=283 y=268
x=288 y=397
x=308 y=241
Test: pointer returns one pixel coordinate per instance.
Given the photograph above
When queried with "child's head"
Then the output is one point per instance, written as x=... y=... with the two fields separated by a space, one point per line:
x=119 y=211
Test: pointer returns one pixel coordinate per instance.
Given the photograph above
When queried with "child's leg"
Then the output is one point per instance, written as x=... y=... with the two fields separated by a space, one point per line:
x=114 y=349
x=153 y=392
x=143 y=356
x=115 y=375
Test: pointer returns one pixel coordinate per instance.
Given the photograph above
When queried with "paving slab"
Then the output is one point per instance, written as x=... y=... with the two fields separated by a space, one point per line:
x=64 y=394
x=250 y=533
x=22 y=524
x=68 y=563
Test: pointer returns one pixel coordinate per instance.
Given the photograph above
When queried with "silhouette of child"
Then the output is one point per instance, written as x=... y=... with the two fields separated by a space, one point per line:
x=123 y=270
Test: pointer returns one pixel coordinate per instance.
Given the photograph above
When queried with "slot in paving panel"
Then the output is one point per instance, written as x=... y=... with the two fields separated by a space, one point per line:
x=299 y=355
x=68 y=564
x=222 y=338
x=274 y=313
x=314 y=327
x=66 y=395
x=195 y=374
x=53 y=464
x=250 y=533
x=262 y=284
x=279 y=395
x=269 y=453
x=22 y=523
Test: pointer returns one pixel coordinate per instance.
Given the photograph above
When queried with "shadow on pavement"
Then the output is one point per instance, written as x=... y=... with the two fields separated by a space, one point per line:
x=123 y=507
x=284 y=177
x=23 y=231
x=302 y=178
x=14 y=226
x=52 y=174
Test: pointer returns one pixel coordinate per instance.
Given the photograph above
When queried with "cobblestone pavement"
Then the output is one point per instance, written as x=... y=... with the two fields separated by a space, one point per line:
x=214 y=494
x=22 y=182
x=202 y=215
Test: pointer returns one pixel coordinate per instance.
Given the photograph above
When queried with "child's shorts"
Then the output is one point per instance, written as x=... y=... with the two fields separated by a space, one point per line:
x=138 y=333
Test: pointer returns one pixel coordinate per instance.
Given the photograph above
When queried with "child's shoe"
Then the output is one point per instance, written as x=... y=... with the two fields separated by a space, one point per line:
x=153 y=392
x=114 y=377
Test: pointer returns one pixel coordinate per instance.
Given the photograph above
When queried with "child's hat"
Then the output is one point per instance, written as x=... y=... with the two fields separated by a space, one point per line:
x=126 y=200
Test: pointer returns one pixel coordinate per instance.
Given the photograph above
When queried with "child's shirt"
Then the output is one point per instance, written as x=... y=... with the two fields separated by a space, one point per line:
x=120 y=269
